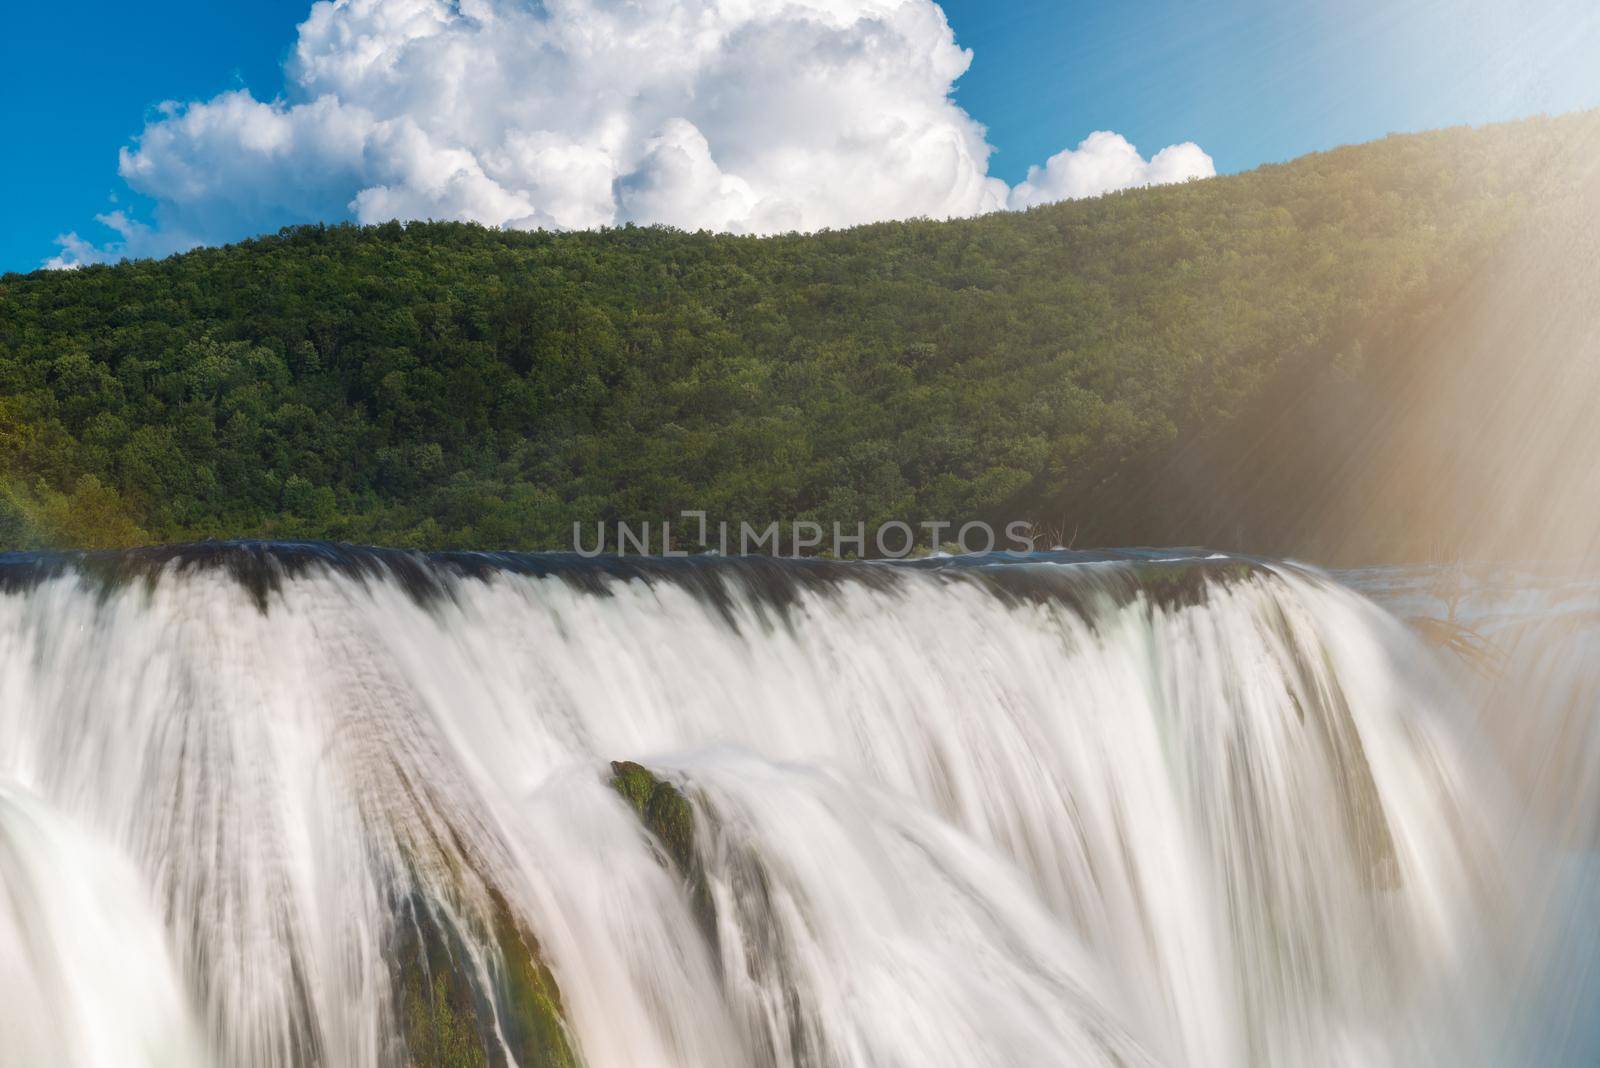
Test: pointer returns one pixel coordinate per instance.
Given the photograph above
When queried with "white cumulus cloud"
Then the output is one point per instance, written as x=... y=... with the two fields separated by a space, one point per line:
x=133 y=239
x=1104 y=162
x=750 y=116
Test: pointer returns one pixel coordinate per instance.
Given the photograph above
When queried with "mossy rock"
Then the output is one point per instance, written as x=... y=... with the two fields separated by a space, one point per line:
x=669 y=816
x=440 y=1014
x=531 y=1013
x=447 y=1019
x=661 y=807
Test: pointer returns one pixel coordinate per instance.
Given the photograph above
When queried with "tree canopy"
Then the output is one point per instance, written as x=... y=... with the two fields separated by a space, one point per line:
x=443 y=384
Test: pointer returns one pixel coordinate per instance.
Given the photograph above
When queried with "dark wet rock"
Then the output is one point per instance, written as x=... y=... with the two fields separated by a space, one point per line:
x=734 y=586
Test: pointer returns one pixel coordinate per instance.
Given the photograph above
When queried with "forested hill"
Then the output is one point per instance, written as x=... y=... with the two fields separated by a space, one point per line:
x=443 y=384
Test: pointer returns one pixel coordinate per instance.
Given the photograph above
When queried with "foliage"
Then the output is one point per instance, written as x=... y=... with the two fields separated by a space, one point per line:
x=443 y=384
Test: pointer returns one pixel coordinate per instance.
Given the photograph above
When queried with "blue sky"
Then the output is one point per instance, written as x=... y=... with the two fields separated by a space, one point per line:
x=82 y=77
x=1249 y=81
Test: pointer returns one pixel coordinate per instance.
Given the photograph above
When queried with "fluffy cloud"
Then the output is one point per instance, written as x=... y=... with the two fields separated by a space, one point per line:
x=1103 y=162
x=135 y=239
x=751 y=116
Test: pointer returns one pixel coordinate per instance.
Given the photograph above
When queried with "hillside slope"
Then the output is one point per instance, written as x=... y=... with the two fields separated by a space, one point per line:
x=1097 y=366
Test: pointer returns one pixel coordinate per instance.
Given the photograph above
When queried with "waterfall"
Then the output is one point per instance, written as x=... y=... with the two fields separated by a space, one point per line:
x=274 y=805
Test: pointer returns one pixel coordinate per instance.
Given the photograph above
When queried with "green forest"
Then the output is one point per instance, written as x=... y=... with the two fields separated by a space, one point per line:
x=447 y=385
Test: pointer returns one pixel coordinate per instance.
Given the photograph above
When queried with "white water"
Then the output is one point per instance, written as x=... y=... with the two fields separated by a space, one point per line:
x=939 y=826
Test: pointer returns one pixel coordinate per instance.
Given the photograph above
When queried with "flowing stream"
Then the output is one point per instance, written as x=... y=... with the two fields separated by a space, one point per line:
x=274 y=805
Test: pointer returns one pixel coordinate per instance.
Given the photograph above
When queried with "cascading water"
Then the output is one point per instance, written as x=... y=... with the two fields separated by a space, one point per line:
x=301 y=805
